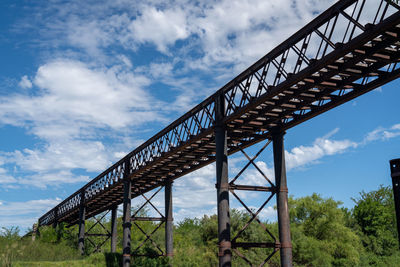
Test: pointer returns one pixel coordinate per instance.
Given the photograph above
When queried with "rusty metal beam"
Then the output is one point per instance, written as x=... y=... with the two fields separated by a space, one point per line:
x=114 y=228
x=395 y=173
x=169 y=221
x=82 y=217
x=224 y=232
x=282 y=199
x=126 y=220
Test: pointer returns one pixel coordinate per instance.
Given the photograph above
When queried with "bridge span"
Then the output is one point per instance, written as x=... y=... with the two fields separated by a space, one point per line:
x=348 y=50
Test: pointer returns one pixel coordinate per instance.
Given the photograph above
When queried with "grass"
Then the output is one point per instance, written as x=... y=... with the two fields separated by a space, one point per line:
x=95 y=260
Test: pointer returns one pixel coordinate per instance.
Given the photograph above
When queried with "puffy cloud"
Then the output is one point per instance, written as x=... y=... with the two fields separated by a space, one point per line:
x=304 y=155
x=73 y=108
x=160 y=27
x=25 y=82
x=73 y=92
x=383 y=134
x=52 y=178
x=24 y=214
x=70 y=155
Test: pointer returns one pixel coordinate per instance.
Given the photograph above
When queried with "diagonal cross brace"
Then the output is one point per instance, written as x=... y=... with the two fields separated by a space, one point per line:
x=107 y=235
x=162 y=219
x=254 y=215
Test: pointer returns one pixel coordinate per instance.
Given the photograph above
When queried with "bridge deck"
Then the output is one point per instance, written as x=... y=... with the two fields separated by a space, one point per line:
x=348 y=50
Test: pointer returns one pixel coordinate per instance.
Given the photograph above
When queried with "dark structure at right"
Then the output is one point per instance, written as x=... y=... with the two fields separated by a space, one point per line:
x=348 y=50
x=395 y=173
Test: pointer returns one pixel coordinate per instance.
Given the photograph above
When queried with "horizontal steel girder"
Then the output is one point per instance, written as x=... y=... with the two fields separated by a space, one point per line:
x=340 y=55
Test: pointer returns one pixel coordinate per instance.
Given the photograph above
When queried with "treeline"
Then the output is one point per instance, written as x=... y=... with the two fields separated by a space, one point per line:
x=323 y=234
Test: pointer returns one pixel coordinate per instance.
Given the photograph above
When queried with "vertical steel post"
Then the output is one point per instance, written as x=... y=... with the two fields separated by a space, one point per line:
x=282 y=199
x=34 y=231
x=395 y=173
x=114 y=229
x=224 y=232
x=126 y=239
x=82 y=214
x=55 y=217
x=169 y=241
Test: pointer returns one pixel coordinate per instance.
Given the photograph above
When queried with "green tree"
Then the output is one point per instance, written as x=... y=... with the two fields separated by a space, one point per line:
x=320 y=236
x=375 y=216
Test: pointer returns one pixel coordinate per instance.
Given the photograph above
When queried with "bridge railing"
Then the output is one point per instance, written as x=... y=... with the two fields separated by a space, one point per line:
x=279 y=69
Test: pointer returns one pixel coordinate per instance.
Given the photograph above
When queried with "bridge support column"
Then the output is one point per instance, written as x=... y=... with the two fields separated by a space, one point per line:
x=224 y=234
x=169 y=221
x=34 y=231
x=82 y=214
x=126 y=239
x=114 y=229
x=395 y=173
x=55 y=218
x=282 y=199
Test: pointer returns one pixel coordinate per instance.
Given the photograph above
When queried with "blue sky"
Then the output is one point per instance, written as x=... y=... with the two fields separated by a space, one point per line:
x=84 y=82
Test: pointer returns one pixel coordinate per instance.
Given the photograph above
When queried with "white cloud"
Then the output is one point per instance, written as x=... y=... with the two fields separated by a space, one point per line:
x=25 y=82
x=160 y=27
x=196 y=190
x=5 y=178
x=75 y=94
x=323 y=146
x=49 y=178
x=75 y=107
x=70 y=155
x=24 y=214
x=382 y=134
x=267 y=213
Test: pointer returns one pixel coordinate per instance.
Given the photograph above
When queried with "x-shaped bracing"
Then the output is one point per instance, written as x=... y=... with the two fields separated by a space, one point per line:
x=254 y=215
x=106 y=235
x=160 y=219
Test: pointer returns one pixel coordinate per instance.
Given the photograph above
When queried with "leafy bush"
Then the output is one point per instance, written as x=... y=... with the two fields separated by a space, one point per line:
x=323 y=234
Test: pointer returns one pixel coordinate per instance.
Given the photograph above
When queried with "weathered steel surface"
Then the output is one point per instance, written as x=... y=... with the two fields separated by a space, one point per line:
x=169 y=221
x=114 y=228
x=81 y=233
x=224 y=224
x=348 y=50
x=282 y=200
x=395 y=173
x=126 y=220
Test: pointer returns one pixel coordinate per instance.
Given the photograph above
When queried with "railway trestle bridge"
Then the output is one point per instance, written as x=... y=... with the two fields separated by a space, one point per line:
x=348 y=50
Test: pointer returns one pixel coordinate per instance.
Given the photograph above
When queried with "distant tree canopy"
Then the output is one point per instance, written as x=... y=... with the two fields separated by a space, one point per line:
x=320 y=235
x=323 y=234
x=375 y=216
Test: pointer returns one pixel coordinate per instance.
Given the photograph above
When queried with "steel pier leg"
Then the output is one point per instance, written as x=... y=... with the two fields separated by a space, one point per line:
x=114 y=229
x=126 y=241
x=282 y=199
x=395 y=173
x=224 y=234
x=81 y=234
x=55 y=218
x=169 y=224
x=34 y=231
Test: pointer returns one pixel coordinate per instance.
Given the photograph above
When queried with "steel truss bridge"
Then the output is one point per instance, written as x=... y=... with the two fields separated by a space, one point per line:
x=348 y=50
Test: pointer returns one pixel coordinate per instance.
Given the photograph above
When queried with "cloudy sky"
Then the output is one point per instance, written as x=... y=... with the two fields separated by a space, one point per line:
x=82 y=83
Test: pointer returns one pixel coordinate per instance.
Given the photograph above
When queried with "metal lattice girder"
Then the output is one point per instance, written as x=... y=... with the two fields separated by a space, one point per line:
x=160 y=219
x=254 y=214
x=106 y=235
x=348 y=50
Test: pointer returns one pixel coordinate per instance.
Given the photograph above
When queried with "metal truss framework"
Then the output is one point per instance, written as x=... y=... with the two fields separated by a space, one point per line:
x=348 y=50
x=161 y=220
x=89 y=235
x=106 y=236
x=271 y=189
